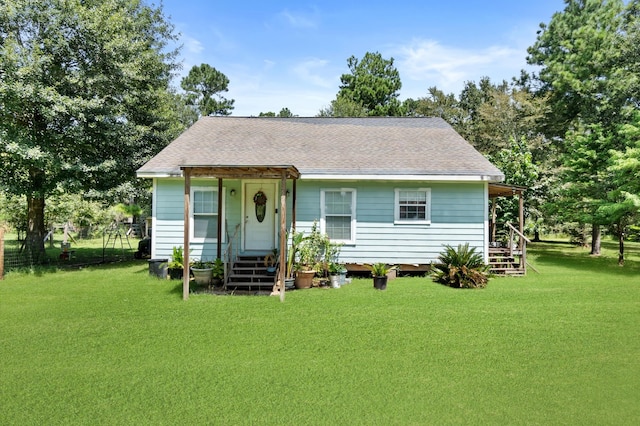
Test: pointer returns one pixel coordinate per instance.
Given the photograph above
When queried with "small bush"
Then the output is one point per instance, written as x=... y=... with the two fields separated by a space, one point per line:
x=461 y=268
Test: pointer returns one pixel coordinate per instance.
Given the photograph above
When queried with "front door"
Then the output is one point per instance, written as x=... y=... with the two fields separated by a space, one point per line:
x=259 y=216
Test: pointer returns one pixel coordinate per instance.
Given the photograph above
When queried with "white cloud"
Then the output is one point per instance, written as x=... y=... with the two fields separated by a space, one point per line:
x=298 y=19
x=310 y=71
x=429 y=63
x=192 y=45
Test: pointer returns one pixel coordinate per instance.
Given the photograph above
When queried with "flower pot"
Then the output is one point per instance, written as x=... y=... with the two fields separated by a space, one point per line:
x=380 y=283
x=343 y=277
x=202 y=276
x=176 y=273
x=289 y=283
x=335 y=281
x=304 y=279
x=158 y=268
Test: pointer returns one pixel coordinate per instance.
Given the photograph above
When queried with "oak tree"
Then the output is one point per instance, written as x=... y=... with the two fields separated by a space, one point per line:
x=83 y=97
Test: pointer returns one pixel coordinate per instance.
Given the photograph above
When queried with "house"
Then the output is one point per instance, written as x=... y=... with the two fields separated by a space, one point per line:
x=390 y=189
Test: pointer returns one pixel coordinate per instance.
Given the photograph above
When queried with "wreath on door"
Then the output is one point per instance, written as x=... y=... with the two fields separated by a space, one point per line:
x=260 y=200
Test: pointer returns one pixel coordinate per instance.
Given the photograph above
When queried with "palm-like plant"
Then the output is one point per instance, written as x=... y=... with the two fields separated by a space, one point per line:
x=461 y=268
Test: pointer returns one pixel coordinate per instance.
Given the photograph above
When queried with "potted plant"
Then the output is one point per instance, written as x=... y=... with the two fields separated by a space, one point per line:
x=176 y=265
x=202 y=272
x=342 y=273
x=315 y=252
x=334 y=274
x=217 y=274
x=292 y=254
x=305 y=266
x=379 y=271
x=271 y=262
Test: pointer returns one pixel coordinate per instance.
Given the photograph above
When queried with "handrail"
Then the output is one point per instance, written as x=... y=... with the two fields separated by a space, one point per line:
x=518 y=232
x=522 y=245
x=227 y=254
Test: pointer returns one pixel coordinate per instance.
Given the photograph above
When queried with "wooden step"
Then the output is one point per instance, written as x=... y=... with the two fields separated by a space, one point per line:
x=507 y=271
x=249 y=271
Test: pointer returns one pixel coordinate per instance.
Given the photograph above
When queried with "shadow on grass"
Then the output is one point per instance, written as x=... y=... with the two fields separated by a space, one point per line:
x=578 y=258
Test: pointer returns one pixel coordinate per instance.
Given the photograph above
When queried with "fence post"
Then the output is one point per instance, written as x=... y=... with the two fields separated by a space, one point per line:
x=1 y=252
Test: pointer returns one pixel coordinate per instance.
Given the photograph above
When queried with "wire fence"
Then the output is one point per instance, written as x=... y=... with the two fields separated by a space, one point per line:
x=107 y=248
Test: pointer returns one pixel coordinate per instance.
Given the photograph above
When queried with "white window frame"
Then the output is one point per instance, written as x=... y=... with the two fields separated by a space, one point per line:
x=404 y=221
x=323 y=215
x=192 y=214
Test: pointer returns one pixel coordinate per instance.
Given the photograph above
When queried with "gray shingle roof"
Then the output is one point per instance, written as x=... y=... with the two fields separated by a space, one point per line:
x=380 y=146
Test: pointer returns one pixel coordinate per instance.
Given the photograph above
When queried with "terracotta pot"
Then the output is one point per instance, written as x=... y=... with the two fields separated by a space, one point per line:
x=304 y=279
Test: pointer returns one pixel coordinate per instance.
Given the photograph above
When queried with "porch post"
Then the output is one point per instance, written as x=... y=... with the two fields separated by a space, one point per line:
x=494 y=202
x=185 y=268
x=283 y=233
x=521 y=229
x=293 y=207
x=219 y=248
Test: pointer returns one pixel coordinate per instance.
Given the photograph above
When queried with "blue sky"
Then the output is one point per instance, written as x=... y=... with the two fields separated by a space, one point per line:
x=291 y=53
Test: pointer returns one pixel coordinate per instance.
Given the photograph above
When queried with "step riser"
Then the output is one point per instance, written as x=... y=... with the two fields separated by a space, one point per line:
x=250 y=271
x=501 y=262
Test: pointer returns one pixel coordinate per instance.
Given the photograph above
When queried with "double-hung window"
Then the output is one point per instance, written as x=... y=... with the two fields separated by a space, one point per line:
x=339 y=214
x=204 y=201
x=413 y=206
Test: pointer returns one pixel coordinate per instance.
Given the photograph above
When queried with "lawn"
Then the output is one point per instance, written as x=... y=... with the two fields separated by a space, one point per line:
x=110 y=345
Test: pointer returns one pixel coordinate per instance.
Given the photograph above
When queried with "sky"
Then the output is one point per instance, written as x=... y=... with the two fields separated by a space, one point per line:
x=291 y=54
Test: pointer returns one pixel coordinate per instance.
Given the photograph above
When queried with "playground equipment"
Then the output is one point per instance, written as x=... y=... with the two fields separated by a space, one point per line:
x=112 y=234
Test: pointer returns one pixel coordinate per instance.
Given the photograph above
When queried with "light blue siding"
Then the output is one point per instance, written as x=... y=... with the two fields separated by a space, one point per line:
x=458 y=214
x=457 y=217
x=169 y=217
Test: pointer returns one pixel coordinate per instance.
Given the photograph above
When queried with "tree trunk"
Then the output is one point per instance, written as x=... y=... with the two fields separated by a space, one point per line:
x=35 y=228
x=621 y=245
x=595 y=240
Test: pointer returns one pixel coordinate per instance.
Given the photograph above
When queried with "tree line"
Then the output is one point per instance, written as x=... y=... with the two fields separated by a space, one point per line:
x=86 y=99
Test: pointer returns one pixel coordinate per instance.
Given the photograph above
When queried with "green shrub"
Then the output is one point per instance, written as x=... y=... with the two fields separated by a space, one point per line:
x=461 y=268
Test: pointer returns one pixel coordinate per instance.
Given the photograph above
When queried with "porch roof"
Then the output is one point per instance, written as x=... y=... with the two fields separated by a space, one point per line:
x=505 y=190
x=243 y=172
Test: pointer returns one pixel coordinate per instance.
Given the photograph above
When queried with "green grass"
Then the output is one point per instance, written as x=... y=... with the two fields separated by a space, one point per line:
x=111 y=345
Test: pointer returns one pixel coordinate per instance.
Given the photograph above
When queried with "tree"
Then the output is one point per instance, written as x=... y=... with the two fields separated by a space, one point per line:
x=343 y=107
x=435 y=104
x=374 y=83
x=516 y=162
x=623 y=204
x=284 y=112
x=83 y=94
x=203 y=85
x=588 y=96
x=576 y=52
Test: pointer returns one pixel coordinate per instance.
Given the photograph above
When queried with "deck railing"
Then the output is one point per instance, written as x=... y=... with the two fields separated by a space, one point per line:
x=521 y=245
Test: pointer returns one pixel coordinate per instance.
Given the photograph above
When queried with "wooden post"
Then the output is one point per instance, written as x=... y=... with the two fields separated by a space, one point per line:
x=1 y=253
x=187 y=196
x=293 y=207
x=521 y=229
x=283 y=234
x=494 y=215
x=219 y=246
